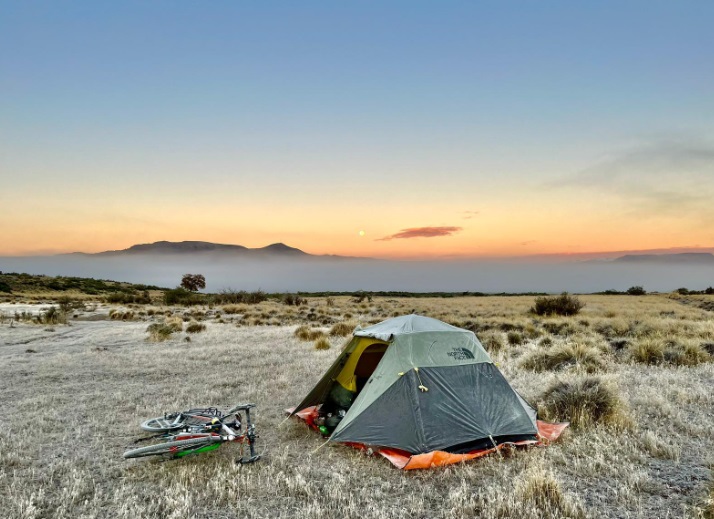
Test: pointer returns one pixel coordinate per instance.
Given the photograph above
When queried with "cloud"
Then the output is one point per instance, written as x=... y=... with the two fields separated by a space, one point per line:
x=469 y=214
x=422 y=232
x=673 y=178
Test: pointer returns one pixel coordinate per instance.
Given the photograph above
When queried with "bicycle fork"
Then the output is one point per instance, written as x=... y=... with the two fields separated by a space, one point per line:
x=250 y=434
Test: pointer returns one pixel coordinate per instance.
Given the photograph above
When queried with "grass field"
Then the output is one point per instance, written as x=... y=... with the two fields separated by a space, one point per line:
x=73 y=396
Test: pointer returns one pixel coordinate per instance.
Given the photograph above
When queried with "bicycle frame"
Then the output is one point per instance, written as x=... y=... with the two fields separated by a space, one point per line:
x=227 y=433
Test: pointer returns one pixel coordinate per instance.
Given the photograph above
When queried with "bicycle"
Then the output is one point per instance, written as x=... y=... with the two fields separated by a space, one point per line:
x=196 y=431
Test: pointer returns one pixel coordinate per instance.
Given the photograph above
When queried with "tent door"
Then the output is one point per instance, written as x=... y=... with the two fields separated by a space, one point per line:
x=367 y=363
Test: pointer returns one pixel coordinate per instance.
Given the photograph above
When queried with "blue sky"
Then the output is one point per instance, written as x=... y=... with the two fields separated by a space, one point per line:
x=283 y=113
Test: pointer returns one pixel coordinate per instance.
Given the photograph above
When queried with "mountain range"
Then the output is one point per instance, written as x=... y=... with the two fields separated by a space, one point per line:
x=281 y=250
x=192 y=247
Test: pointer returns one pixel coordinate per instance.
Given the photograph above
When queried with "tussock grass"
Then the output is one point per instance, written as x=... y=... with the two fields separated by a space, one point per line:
x=493 y=342
x=323 y=343
x=342 y=329
x=659 y=351
x=195 y=327
x=648 y=351
x=174 y=323
x=578 y=355
x=307 y=334
x=515 y=338
x=583 y=402
x=159 y=332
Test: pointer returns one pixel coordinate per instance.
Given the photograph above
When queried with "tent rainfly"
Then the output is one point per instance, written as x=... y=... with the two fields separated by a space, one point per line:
x=421 y=393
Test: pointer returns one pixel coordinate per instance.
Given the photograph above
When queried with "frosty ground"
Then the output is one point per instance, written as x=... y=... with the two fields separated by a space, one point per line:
x=73 y=396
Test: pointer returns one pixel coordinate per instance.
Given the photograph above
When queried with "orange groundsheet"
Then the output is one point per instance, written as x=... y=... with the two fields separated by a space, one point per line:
x=547 y=432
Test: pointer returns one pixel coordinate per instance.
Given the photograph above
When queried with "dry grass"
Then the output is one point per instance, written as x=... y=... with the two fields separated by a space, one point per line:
x=577 y=355
x=94 y=382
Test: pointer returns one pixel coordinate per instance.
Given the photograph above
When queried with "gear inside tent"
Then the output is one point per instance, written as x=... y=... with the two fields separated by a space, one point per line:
x=421 y=393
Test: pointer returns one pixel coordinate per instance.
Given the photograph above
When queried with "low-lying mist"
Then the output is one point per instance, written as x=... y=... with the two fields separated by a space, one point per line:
x=329 y=274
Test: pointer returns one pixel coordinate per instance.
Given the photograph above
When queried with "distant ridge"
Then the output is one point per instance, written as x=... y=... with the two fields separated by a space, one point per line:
x=198 y=247
x=699 y=258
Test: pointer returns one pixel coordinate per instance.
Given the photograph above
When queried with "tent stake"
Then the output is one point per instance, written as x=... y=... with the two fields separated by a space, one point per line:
x=496 y=446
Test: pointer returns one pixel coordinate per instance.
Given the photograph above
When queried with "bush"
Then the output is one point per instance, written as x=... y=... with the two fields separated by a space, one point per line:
x=583 y=402
x=563 y=304
x=195 y=327
x=322 y=344
x=181 y=296
x=293 y=300
x=229 y=296
x=342 y=329
x=578 y=355
x=636 y=291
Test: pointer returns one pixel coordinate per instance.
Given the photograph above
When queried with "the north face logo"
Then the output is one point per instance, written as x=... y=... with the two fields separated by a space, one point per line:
x=461 y=354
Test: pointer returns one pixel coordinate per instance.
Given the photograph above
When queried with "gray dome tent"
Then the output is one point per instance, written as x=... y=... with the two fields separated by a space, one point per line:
x=417 y=384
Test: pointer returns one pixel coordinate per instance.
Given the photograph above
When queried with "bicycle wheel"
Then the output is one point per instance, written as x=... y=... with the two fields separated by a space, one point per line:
x=177 y=448
x=166 y=423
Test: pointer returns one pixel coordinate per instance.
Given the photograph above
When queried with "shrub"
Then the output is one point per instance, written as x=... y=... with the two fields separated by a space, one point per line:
x=293 y=300
x=583 y=402
x=514 y=338
x=682 y=291
x=563 y=304
x=195 y=327
x=181 y=296
x=636 y=291
x=342 y=329
x=578 y=355
x=322 y=343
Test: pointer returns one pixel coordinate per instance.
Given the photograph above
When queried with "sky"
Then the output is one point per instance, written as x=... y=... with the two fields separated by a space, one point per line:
x=385 y=129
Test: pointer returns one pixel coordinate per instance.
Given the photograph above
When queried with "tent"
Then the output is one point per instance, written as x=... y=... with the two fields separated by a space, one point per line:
x=413 y=386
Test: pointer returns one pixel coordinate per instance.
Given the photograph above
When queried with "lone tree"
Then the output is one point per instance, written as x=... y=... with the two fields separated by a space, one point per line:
x=193 y=282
